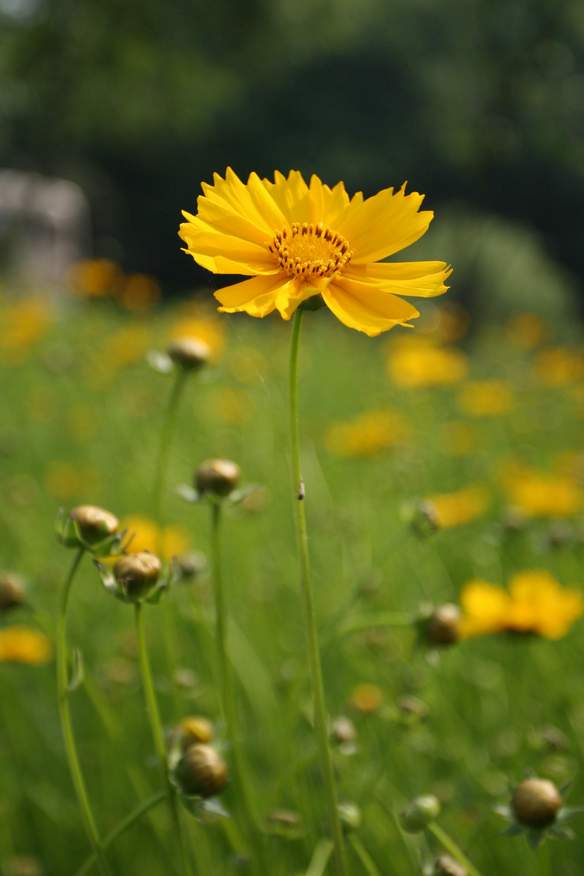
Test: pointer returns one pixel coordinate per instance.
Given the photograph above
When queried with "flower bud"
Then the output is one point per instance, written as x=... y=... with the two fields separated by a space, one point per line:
x=94 y=524
x=137 y=574
x=11 y=591
x=188 y=353
x=217 y=477
x=343 y=730
x=420 y=813
x=423 y=518
x=443 y=625
x=536 y=802
x=447 y=866
x=201 y=772
x=350 y=815
x=193 y=730
x=191 y=565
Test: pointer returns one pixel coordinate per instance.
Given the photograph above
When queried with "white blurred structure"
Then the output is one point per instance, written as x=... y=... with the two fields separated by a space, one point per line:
x=44 y=228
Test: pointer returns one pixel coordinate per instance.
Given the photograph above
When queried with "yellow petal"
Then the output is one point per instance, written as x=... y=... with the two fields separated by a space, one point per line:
x=292 y=196
x=382 y=225
x=365 y=309
x=421 y=279
x=224 y=219
x=232 y=192
x=256 y=296
x=201 y=240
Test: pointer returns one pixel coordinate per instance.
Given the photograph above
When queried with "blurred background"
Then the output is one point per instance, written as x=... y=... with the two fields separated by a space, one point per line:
x=122 y=115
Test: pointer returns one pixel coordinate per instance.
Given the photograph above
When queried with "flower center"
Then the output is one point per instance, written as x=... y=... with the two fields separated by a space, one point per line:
x=310 y=251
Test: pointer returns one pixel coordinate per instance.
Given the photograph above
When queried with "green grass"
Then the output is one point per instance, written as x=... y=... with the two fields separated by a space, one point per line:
x=488 y=699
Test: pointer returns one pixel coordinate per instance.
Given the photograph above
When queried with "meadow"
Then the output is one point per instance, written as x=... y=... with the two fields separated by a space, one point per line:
x=432 y=458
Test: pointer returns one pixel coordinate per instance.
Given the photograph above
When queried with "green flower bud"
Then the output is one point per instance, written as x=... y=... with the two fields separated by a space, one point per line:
x=201 y=772
x=11 y=591
x=137 y=574
x=536 y=802
x=94 y=524
x=420 y=813
x=188 y=353
x=443 y=625
x=217 y=477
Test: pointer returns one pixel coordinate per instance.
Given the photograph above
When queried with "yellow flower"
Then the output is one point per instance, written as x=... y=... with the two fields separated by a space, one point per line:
x=24 y=645
x=144 y=534
x=23 y=324
x=486 y=398
x=559 y=365
x=541 y=494
x=367 y=698
x=459 y=507
x=526 y=330
x=138 y=292
x=296 y=241
x=415 y=363
x=366 y=434
x=535 y=603
x=95 y=278
x=124 y=347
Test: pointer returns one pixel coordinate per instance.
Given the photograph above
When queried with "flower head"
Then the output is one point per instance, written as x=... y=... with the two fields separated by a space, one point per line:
x=459 y=507
x=416 y=363
x=536 y=493
x=24 y=645
x=295 y=240
x=486 y=398
x=534 y=603
x=366 y=434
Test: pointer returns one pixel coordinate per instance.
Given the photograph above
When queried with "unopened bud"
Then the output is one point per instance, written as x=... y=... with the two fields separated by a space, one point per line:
x=188 y=353
x=137 y=574
x=443 y=625
x=447 y=866
x=217 y=477
x=193 y=730
x=536 y=802
x=11 y=591
x=191 y=565
x=343 y=730
x=420 y=813
x=201 y=772
x=350 y=815
x=94 y=524
x=423 y=518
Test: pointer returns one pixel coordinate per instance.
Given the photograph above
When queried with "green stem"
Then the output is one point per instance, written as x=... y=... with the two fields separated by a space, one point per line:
x=320 y=715
x=158 y=734
x=166 y=436
x=122 y=827
x=447 y=843
x=367 y=861
x=228 y=704
x=67 y=724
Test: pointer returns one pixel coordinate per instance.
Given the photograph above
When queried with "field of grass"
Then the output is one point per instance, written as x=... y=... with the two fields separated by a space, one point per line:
x=82 y=416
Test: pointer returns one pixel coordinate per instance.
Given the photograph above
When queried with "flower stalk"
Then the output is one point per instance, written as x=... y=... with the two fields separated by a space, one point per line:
x=67 y=723
x=158 y=734
x=320 y=714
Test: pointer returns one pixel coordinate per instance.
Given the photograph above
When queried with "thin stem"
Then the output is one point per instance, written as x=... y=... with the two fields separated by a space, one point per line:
x=166 y=436
x=320 y=715
x=158 y=734
x=448 y=843
x=122 y=827
x=367 y=861
x=228 y=704
x=67 y=723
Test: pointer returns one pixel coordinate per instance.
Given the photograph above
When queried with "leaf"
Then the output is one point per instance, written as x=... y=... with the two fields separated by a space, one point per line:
x=77 y=670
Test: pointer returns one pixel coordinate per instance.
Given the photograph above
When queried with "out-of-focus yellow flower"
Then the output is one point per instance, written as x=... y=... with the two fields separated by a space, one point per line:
x=461 y=506
x=63 y=480
x=24 y=645
x=458 y=439
x=486 y=398
x=95 y=278
x=535 y=603
x=143 y=534
x=204 y=327
x=417 y=362
x=138 y=292
x=559 y=365
x=366 y=698
x=122 y=349
x=295 y=241
x=542 y=494
x=233 y=406
x=366 y=434
x=24 y=323
x=526 y=330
